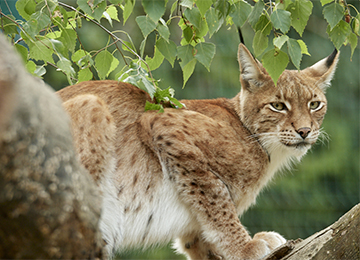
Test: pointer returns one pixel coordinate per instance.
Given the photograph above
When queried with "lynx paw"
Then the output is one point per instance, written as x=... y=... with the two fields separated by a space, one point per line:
x=261 y=245
x=273 y=239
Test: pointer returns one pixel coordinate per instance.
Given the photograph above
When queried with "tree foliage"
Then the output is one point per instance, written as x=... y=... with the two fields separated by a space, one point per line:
x=48 y=35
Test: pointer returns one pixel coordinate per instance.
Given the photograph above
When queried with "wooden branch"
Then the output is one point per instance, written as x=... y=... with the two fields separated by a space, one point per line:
x=341 y=240
x=49 y=205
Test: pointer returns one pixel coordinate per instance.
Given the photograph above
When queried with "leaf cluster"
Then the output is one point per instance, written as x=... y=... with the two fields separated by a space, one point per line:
x=48 y=35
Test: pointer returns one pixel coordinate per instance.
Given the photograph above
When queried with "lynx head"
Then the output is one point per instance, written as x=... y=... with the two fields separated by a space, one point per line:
x=286 y=118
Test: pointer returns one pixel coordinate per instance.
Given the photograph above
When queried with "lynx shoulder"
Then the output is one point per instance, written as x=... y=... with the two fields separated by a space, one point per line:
x=187 y=174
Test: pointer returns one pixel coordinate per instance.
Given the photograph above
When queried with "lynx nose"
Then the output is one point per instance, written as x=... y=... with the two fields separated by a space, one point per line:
x=303 y=131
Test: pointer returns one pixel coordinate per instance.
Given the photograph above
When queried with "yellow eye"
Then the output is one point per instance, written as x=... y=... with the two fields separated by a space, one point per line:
x=314 y=105
x=278 y=106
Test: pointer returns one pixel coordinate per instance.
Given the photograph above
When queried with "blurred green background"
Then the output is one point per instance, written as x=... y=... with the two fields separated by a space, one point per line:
x=316 y=192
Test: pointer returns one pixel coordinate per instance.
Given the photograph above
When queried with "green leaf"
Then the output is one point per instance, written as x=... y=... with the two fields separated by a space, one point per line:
x=356 y=25
x=31 y=28
x=194 y=17
x=223 y=6
x=145 y=24
x=78 y=57
x=41 y=50
x=39 y=71
x=353 y=43
x=294 y=51
x=324 y=2
x=188 y=34
x=31 y=67
x=25 y=8
x=47 y=6
x=96 y=9
x=202 y=30
x=304 y=49
x=281 y=20
x=53 y=35
x=127 y=9
x=7 y=25
x=142 y=47
x=333 y=13
x=203 y=5
x=205 y=52
x=107 y=17
x=59 y=48
x=263 y=25
x=187 y=3
x=155 y=61
x=283 y=4
x=339 y=33
x=188 y=70
x=64 y=65
x=275 y=62
x=167 y=95
x=168 y=49
x=186 y=54
x=69 y=39
x=255 y=13
x=103 y=62
x=137 y=76
x=112 y=12
x=85 y=75
x=239 y=12
x=163 y=31
x=152 y=106
x=280 y=40
x=113 y=66
x=300 y=12
x=154 y=8
x=22 y=51
x=260 y=43
x=38 y=21
x=213 y=21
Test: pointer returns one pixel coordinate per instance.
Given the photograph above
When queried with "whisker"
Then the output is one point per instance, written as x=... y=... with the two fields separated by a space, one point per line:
x=324 y=137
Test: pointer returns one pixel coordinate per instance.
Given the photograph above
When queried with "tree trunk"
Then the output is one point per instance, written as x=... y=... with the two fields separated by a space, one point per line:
x=341 y=240
x=49 y=205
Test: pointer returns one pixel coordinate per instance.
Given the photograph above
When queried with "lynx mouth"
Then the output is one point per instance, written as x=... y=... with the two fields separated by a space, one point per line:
x=300 y=145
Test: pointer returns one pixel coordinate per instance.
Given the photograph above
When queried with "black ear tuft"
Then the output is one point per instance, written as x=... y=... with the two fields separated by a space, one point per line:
x=330 y=59
x=241 y=36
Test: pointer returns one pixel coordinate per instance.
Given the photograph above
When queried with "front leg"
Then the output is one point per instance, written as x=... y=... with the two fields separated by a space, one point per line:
x=222 y=232
x=195 y=247
x=190 y=158
x=210 y=201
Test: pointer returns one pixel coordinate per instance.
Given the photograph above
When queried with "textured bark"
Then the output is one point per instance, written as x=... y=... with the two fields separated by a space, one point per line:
x=341 y=240
x=49 y=205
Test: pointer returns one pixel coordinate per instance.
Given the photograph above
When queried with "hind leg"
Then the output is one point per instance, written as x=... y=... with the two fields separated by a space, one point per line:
x=93 y=130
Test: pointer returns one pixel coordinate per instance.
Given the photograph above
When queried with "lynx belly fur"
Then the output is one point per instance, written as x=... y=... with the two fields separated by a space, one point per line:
x=187 y=174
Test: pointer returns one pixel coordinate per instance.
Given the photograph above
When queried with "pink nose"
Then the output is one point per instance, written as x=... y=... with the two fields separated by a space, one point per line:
x=303 y=131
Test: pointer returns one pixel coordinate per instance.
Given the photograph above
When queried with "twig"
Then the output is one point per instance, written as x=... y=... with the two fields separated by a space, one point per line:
x=58 y=69
x=113 y=36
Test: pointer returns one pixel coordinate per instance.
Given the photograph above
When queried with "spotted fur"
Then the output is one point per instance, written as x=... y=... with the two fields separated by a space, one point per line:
x=187 y=174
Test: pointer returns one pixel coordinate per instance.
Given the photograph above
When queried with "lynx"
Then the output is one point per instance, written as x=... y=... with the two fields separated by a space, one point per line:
x=187 y=174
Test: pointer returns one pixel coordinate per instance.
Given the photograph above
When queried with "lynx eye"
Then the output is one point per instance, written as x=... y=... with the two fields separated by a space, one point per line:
x=278 y=106
x=314 y=105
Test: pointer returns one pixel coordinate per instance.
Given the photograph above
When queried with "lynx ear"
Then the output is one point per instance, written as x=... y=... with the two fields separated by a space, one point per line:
x=324 y=70
x=251 y=71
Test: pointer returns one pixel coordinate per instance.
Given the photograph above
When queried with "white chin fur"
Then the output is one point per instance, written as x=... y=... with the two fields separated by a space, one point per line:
x=282 y=157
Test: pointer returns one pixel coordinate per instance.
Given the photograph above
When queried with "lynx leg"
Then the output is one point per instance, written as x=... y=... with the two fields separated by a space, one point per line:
x=194 y=247
x=187 y=163
x=93 y=130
